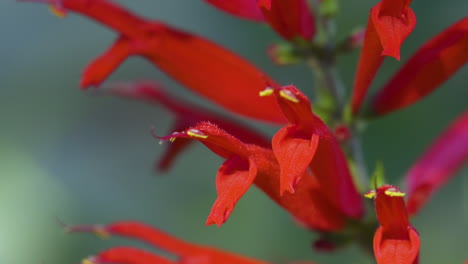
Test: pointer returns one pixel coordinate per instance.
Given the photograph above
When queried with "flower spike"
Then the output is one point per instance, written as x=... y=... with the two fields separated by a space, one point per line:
x=395 y=241
x=201 y=65
x=248 y=164
x=184 y=251
x=390 y=22
x=308 y=143
x=435 y=62
x=187 y=115
x=440 y=161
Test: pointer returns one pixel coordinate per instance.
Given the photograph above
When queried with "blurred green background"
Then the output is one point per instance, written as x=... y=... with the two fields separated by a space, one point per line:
x=87 y=159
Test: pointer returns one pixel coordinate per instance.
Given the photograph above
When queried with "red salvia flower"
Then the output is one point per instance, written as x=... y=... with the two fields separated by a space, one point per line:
x=395 y=241
x=390 y=22
x=291 y=19
x=184 y=251
x=248 y=164
x=308 y=142
x=443 y=158
x=428 y=68
x=199 y=64
x=187 y=115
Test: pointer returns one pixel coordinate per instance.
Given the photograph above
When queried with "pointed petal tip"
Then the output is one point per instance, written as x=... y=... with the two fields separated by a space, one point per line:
x=218 y=216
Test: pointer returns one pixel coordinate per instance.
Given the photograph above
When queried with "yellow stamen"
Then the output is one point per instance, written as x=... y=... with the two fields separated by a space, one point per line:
x=172 y=139
x=57 y=11
x=87 y=261
x=267 y=92
x=370 y=194
x=394 y=193
x=101 y=232
x=288 y=96
x=196 y=133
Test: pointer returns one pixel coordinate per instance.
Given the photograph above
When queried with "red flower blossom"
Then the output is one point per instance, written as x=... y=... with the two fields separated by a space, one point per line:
x=395 y=241
x=440 y=161
x=201 y=65
x=290 y=19
x=390 y=23
x=187 y=115
x=184 y=251
x=428 y=68
x=308 y=142
x=248 y=164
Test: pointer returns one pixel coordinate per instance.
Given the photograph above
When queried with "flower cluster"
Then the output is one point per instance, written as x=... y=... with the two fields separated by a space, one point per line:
x=307 y=166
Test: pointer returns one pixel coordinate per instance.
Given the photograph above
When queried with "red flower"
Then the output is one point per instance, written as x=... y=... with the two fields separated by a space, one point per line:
x=390 y=23
x=290 y=19
x=184 y=251
x=248 y=164
x=395 y=241
x=201 y=65
x=443 y=158
x=187 y=115
x=309 y=143
x=429 y=67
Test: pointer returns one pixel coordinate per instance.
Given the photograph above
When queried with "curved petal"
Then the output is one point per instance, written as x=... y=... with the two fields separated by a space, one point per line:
x=390 y=22
x=233 y=180
x=294 y=152
x=439 y=162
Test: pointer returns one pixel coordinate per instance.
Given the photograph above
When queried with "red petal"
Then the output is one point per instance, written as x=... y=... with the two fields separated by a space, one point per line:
x=331 y=169
x=397 y=251
x=393 y=25
x=203 y=66
x=329 y=164
x=290 y=19
x=108 y=13
x=391 y=212
x=140 y=231
x=294 y=152
x=233 y=180
x=386 y=31
x=395 y=241
x=435 y=62
x=128 y=255
x=439 y=162
x=213 y=72
x=247 y=9
x=97 y=71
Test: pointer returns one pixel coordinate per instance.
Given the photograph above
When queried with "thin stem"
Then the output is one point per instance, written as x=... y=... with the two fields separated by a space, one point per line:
x=356 y=153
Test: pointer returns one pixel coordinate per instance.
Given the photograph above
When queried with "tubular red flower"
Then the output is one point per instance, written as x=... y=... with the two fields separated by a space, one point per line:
x=186 y=115
x=290 y=19
x=309 y=143
x=433 y=63
x=439 y=162
x=390 y=22
x=248 y=164
x=185 y=252
x=247 y=9
x=395 y=241
x=199 y=64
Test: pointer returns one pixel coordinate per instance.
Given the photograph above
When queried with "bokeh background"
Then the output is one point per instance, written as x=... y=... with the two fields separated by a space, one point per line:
x=85 y=159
